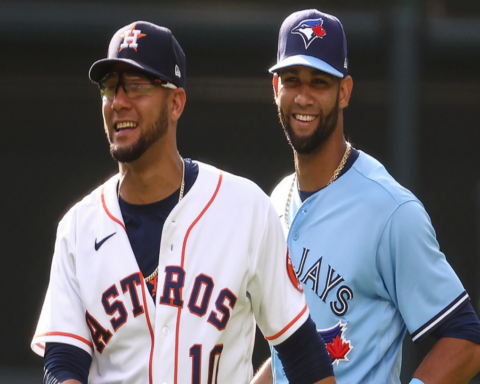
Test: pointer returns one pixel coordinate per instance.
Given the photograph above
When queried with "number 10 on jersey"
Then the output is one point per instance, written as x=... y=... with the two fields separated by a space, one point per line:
x=213 y=363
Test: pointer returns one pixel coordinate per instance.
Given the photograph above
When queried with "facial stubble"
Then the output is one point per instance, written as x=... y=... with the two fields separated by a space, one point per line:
x=152 y=134
x=314 y=142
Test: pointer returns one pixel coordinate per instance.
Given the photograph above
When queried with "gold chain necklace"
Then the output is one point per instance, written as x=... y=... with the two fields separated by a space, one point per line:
x=180 y=197
x=332 y=179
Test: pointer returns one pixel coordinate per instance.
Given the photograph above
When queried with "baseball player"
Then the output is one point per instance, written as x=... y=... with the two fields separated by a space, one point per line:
x=158 y=274
x=363 y=246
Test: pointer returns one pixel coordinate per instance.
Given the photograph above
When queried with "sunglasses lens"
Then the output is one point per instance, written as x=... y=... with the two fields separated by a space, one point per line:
x=137 y=85
x=108 y=86
x=133 y=84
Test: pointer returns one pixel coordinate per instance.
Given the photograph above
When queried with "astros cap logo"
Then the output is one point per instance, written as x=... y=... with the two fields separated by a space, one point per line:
x=130 y=38
x=310 y=30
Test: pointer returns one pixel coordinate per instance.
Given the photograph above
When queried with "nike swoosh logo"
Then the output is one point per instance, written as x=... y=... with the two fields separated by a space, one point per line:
x=99 y=244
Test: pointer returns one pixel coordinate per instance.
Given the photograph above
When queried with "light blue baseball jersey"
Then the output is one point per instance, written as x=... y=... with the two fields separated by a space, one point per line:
x=366 y=253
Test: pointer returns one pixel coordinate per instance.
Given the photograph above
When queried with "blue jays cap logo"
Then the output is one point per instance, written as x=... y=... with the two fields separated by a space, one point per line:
x=310 y=30
x=337 y=346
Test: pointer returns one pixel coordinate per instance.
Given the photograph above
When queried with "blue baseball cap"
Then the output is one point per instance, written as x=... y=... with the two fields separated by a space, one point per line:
x=148 y=47
x=314 y=39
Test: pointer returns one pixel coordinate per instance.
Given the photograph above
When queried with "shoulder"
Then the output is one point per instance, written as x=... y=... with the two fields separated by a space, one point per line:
x=411 y=217
x=89 y=203
x=281 y=191
x=235 y=197
x=236 y=186
x=371 y=177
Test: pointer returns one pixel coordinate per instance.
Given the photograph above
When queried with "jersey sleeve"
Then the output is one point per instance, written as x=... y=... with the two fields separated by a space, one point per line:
x=277 y=297
x=62 y=318
x=417 y=276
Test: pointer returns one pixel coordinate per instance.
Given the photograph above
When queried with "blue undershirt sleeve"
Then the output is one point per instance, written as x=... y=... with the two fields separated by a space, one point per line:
x=63 y=362
x=463 y=324
x=304 y=355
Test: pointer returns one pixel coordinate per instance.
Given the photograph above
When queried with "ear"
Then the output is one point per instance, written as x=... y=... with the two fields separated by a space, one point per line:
x=179 y=98
x=275 y=85
x=346 y=86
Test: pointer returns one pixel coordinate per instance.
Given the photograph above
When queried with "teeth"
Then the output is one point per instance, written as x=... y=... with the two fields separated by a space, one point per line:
x=126 y=124
x=304 y=117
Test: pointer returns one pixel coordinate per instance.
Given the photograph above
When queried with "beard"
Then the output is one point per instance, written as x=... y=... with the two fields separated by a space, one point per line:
x=152 y=134
x=314 y=142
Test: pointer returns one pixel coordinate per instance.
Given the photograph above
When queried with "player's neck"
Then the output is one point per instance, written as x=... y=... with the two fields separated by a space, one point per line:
x=315 y=170
x=153 y=177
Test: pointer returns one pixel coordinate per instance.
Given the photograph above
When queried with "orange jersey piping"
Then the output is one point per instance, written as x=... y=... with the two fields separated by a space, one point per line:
x=66 y=335
x=288 y=325
x=150 y=376
x=183 y=259
x=108 y=212
x=143 y=292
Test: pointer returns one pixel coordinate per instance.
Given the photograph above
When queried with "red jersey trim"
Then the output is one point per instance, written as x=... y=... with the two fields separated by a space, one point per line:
x=150 y=376
x=66 y=335
x=183 y=259
x=288 y=325
x=108 y=212
x=147 y=315
x=292 y=275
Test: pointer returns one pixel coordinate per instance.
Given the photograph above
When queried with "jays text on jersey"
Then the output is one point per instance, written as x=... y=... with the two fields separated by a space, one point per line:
x=223 y=261
x=367 y=256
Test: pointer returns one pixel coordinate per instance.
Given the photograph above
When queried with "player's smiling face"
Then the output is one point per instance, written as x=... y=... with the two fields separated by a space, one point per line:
x=308 y=106
x=133 y=125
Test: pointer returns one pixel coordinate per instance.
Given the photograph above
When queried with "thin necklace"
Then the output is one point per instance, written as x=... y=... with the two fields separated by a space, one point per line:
x=332 y=179
x=180 y=197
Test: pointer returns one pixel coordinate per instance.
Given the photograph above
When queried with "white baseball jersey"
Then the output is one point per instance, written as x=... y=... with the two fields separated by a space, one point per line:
x=223 y=261
x=366 y=253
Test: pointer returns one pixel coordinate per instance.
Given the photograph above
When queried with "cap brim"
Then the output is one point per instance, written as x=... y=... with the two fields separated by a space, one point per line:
x=307 y=61
x=101 y=67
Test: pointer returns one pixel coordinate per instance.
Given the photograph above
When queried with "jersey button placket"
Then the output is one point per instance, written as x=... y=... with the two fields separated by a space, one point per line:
x=303 y=211
x=165 y=331
x=174 y=221
x=293 y=231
